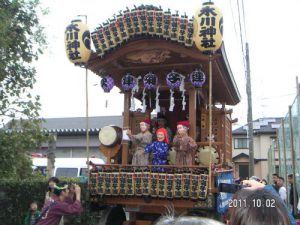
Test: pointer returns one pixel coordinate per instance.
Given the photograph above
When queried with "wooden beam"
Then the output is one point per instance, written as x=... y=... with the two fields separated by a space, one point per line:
x=126 y=124
x=192 y=116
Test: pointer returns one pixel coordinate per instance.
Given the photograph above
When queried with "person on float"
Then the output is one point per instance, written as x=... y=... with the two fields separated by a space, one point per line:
x=163 y=123
x=141 y=140
x=159 y=149
x=184 y=145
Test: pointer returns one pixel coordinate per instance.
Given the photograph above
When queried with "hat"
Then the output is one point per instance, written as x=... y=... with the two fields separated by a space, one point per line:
x=147 y=121
x=165 y=132
x=184 y=123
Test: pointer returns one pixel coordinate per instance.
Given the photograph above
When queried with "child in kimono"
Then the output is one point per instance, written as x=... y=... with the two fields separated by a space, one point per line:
x=159 y=149
x=141 y=140
x=184 y=145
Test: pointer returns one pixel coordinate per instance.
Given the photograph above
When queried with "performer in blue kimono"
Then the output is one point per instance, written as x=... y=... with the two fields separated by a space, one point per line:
x=159 y=149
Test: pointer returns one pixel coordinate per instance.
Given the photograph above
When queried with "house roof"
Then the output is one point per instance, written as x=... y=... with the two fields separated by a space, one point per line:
x=261 y=126
x=78 y=124
x=241 y=155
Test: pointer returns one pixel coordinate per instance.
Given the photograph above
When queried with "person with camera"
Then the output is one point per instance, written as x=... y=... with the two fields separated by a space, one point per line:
x=60 y=204
x=259 y=204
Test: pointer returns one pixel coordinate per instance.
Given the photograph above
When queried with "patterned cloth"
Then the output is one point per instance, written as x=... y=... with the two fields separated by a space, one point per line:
x=185 y=147
x=160 y=152
x=141 y=140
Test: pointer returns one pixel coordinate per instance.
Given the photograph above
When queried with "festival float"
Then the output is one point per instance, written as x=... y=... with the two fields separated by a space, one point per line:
x=177 y=67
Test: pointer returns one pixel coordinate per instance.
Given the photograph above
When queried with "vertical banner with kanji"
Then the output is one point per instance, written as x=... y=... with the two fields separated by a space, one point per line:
x=208 y=28
x=78 y=42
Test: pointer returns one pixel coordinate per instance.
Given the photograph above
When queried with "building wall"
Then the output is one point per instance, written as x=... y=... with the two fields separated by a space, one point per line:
x=74 y=147
x=261 y=144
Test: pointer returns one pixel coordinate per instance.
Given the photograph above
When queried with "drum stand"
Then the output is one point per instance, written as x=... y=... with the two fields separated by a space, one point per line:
x=110 y=153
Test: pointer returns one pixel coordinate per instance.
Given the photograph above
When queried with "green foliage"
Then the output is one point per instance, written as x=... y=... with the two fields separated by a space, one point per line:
x=16 y=195
x=21 y=42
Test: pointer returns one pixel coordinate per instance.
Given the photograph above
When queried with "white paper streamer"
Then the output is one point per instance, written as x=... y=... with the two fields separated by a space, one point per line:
x=144 y=101
x=157 y=107
x=182 y=89
x=172 y=101
x=134 y=90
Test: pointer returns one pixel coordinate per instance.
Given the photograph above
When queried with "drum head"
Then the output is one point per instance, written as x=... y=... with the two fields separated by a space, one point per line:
x=107 y=136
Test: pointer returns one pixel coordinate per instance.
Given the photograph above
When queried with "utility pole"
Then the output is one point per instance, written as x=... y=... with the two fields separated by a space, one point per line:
x=249 y=114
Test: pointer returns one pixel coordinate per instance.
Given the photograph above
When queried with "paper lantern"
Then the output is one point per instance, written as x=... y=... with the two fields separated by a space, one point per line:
x=150 y=81
x=122 y=29
x=127 y=19
x=173 y=80
x=111 y=43
x=151 y=18
x=208 y=28
x=128 y=82
x=158 y=22
x=197 y=78
x=97 y=44
x=183 y=21
x=136 y=19
x=167 y=24
x=189 y=33
x=174 y=27
x=107 y=83
x=78 y=42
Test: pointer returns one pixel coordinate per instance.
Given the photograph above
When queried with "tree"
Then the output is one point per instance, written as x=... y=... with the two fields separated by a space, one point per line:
x=21 y=42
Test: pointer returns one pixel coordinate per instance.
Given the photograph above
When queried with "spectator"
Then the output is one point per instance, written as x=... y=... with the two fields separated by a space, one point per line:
x=281 y=189
x=186 y=220
x=291 y=194
x=260 y=204
x=58 y=206
x=275 y=178
x=51 y=183
x=32 y=215
x=264 y=181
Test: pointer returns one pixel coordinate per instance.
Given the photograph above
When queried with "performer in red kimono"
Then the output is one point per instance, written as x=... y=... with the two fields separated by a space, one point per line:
x=185 y=146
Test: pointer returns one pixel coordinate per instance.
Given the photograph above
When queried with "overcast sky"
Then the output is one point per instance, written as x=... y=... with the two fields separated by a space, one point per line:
x=273 y=33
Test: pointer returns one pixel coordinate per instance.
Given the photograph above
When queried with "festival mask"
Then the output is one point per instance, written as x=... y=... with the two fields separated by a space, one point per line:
x=144 y=127
x=181 y=129
x=160 y=136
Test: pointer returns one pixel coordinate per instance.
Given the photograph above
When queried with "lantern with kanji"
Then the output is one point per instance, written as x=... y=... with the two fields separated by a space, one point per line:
x=107 y=83
x=208 y=28
x=197 y=78
x=78 y=42
x=150 y=81
x=173 y=80
x=128 y=82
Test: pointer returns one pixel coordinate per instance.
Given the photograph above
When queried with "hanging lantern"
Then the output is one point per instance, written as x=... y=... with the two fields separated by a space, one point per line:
x=174 y=26
x=183 y=21
x=189 y=33
x=128 y=82
x=208 y=28
x=150 y=81
x=107 y=83
x=128 y=22
x=151 y=18
x=173 y=80
x=78 y=42
x=167 y=24
x=158 y=22
x=136 y=19
x=197 y=78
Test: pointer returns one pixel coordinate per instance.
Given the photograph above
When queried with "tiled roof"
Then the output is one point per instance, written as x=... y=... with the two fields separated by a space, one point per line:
x=78 y=124
x=260 y=126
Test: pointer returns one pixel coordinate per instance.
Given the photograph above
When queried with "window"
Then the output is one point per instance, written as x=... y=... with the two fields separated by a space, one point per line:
x=240 y=143
x=66 y=172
